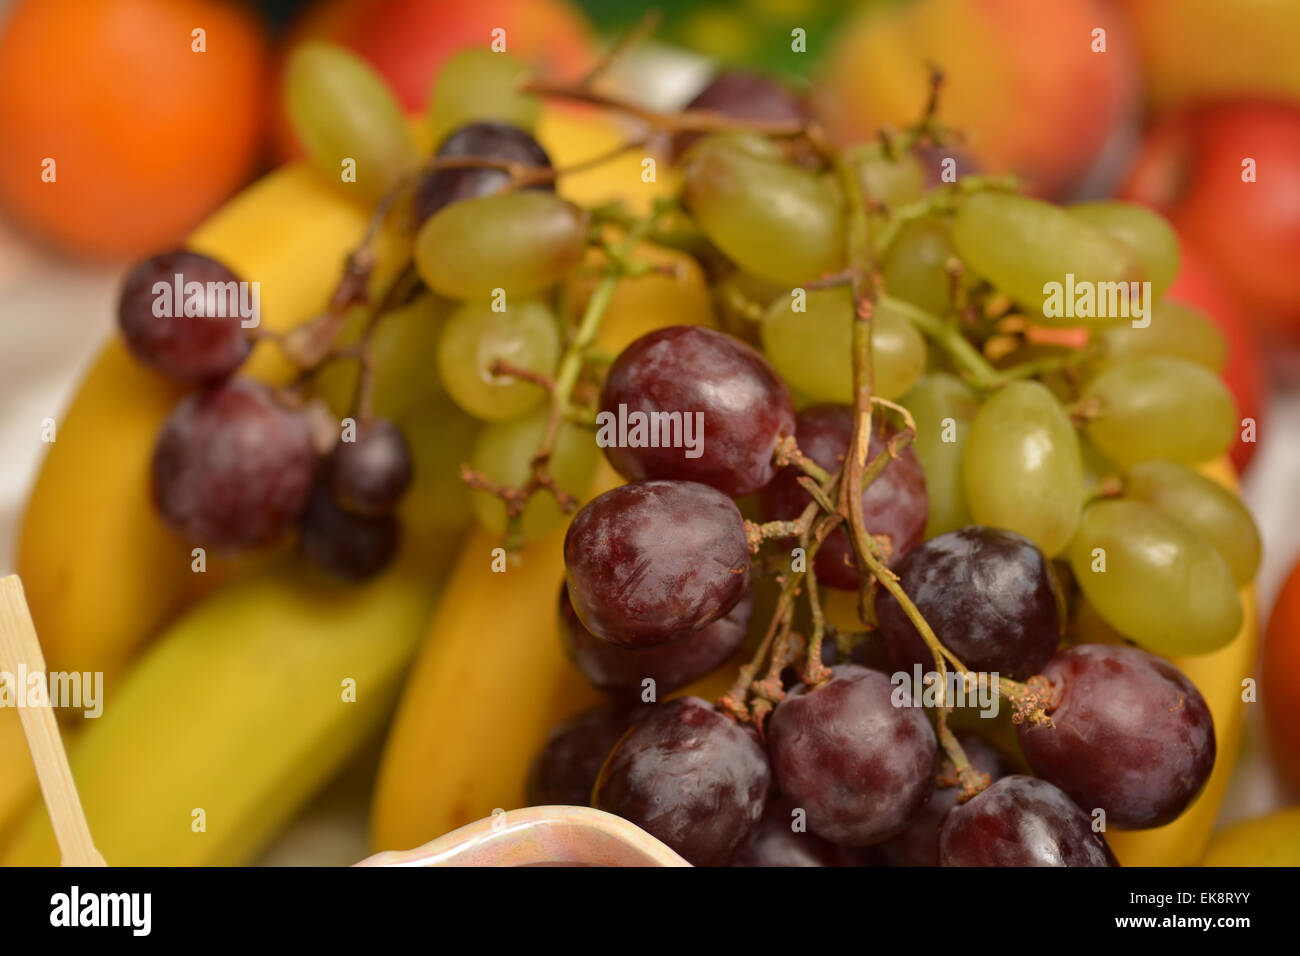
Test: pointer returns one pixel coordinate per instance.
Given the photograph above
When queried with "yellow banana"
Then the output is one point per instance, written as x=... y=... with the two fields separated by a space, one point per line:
x=1272 y=840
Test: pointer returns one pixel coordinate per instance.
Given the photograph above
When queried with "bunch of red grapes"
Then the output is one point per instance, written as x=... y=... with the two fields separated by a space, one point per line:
x=658 y=592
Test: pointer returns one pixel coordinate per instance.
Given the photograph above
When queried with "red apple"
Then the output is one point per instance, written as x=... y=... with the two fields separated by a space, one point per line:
x=1191 y=169
x=1199 y=286
x=407 y=41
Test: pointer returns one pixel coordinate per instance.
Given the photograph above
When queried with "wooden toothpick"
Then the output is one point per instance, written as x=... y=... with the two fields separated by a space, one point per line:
x=20 y=650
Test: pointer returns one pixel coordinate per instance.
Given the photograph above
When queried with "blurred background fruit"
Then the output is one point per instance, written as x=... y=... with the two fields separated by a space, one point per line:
x=1280 y=692
x=407 y=41
x=1068 y=100
x=1191 y=168
x=147 y=135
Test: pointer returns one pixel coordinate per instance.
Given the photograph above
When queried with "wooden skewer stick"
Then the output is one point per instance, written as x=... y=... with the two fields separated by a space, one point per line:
x=19 y=648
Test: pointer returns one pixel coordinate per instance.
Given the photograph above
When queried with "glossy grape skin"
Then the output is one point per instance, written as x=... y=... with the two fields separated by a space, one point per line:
x=915 y=268
x=1021 y=821
x=477 y=84
x=504 y=452
x=743 y=409
x=1021 y=244
x=483 y=140
x=1164 y=586
x=770 y=217
x=349 y=546
x=232 y=468
x=565 y=769
x=1176 y=330
x=937 y=397
x=1160 y=407
x=187 y=348
x=813 y=349
x=1203 y=505
x=918 y=844
x=370 y=474
x=776 y=843
x=742 y=94
x=1132 y=735
x=894 y=506
x=990 y=597
x=861 y=767
x=474 y=337
x=689 y=776
x=520 y=242
x=620 y=671
x=1147 y=233
x=650 y=561
x=1022 y=466
x=342 y=109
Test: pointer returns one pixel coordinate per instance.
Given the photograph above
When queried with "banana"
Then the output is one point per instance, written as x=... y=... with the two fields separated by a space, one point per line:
x=1272 y=840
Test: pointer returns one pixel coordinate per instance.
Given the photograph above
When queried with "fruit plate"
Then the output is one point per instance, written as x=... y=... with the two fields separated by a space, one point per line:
x=538 y=836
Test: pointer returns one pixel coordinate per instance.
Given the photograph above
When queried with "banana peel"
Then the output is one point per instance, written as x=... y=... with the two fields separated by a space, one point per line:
x=1271 y=840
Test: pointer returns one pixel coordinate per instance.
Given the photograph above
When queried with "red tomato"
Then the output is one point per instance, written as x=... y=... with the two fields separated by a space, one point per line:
x=1280 y=678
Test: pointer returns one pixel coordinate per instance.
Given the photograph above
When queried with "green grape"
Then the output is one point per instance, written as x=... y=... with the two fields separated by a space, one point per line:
x=342 y=110
x=1159 y=407
x=893 y=182
x=1203 y=505
x=772 y=218
x=477 y=84
x=402 y=348
x=440 y=437
x=474 y=337
x=1153 y=579
x=1023 y=468
x=520 y=242
x=916 y=266
x=1145 y=232
x=1175 y=330
x=742 y=301
x=812 y=349
x=1029 y=249
x=504 y=453
x=943 y=407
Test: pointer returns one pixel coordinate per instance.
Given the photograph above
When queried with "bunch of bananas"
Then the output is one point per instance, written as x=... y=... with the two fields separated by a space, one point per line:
x=234 y=694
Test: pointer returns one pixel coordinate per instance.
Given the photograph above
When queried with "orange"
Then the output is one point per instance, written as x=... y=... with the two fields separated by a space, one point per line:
x=147 y=136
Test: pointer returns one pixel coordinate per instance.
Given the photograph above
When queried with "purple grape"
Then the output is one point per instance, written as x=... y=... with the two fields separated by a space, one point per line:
x=485 y=141
x=918 y=845
x=932 y=159
x=690 y=776
x=861 y=767
x=192 y=349
x=654 y=560
x=990 y=597
x=370 y=475
x=565 y=769
x=347 y=545
x=1132 y=736
x=895 y=506
x=1021 y=821
x=620 y=670
x=777 y=843
x=744 y=95
x=232 y=468
x=724 y=396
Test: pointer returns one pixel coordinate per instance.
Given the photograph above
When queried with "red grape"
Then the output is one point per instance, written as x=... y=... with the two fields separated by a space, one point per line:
x=690 y=776
x=485 y=141
x=188 y=348
x=349 y=546
x=1132 y=735
x=918 y=845
x=743 y=94
x=653 y=560
x=565 y=769
x=895 y=506
x=232 y=468
x=743 y=410
x=861 y=767
x=777 y=843
x=1021 y=821
x=369 y=475
x=620 y=670
x=989 y=595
